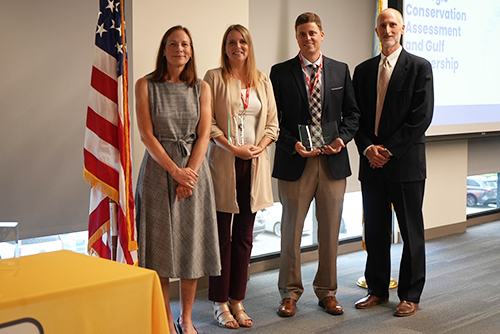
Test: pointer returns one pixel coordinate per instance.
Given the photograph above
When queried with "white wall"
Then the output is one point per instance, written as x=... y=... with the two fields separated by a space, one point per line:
x=46 y=55
x=272 y=27
x=484 y=155
x=348 y=27
x=206 y=20
x=446 y=185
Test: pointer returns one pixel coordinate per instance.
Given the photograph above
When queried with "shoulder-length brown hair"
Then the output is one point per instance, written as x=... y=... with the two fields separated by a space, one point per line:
x=161 y=72
x=253 y=73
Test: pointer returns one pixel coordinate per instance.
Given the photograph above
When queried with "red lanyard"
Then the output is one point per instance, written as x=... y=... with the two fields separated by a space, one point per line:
x=245 y=99
x=311 y=87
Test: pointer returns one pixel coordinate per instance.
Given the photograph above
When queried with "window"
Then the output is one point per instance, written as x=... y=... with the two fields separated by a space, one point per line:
x=267 y=228
x=76 y=242
x=482 y=193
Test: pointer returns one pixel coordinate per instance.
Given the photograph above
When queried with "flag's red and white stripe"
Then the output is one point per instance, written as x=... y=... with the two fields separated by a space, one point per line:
x=107 y=160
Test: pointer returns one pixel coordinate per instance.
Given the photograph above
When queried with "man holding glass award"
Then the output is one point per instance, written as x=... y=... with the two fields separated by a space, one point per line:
x=318 y=117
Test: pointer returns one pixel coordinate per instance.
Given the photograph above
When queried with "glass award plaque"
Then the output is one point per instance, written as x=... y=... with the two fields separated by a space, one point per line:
x=325 y=134
x=9 y=246
x=236 y=125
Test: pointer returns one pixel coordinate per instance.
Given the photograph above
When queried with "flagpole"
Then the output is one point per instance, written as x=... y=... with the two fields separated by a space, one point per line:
x=113 y=228
x=107 y=154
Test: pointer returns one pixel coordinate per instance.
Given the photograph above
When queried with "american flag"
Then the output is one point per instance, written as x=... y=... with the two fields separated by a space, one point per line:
x=107 y=162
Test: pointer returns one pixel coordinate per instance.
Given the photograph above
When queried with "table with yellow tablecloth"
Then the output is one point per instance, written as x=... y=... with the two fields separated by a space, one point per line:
x=67 y=292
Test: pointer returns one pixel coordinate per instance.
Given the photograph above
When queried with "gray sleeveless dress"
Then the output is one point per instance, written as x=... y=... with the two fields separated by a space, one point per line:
x=177 y=239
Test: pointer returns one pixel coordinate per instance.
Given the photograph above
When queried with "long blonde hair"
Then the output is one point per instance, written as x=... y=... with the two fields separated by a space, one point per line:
x=253 y=74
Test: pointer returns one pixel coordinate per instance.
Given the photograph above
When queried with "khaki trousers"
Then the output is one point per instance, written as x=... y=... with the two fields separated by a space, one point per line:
x=316 y=183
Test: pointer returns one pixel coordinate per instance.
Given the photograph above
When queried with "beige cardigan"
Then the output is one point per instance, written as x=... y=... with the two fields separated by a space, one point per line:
x=226 y=100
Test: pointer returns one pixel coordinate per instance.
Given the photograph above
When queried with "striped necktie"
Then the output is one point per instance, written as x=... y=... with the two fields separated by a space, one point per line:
x=315 y=109
x=383 y=82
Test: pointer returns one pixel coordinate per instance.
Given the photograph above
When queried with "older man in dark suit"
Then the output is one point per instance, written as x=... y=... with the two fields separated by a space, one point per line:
x=314 y=90
x=394 y=92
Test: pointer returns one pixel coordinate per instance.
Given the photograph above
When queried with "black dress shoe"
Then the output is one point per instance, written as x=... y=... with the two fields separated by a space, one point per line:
x=370 y=301
x=287 y=307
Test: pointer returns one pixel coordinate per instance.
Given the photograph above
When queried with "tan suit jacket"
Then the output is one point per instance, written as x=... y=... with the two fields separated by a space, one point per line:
x=226 y=101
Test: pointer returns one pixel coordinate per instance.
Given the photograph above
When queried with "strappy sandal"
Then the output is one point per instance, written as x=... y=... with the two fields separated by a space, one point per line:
x=238 y=312
x=222 y=314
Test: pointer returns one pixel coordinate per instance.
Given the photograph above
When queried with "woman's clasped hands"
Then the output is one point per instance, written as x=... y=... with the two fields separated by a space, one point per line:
x=186 y=179
x=247 y=152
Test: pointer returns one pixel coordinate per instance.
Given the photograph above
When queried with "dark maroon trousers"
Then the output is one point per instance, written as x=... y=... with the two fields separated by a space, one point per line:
x=236 y=243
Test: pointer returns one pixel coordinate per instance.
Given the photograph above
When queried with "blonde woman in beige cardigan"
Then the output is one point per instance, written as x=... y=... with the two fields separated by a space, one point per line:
x=240 y=171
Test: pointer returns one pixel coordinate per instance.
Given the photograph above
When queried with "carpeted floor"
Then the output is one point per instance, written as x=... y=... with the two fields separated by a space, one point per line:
x=461 y=295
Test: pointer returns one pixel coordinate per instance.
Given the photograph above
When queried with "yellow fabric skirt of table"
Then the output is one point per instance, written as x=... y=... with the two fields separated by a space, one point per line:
x=67 y=292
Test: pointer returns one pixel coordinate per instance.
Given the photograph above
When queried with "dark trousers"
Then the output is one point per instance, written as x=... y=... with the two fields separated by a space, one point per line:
x=235 y=243
x=407 y=197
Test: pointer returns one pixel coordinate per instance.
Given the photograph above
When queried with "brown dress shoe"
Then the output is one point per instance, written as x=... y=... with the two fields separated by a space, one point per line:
x=370 y=301
x=287 y=307
x=405 y=308
x=331 y=305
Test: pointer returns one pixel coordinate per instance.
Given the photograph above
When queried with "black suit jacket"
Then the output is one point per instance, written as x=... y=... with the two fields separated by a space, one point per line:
x=338 y=105
x=406 y=115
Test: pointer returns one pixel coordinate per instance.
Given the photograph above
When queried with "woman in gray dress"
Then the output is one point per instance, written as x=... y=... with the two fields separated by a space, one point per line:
x=174 y=197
